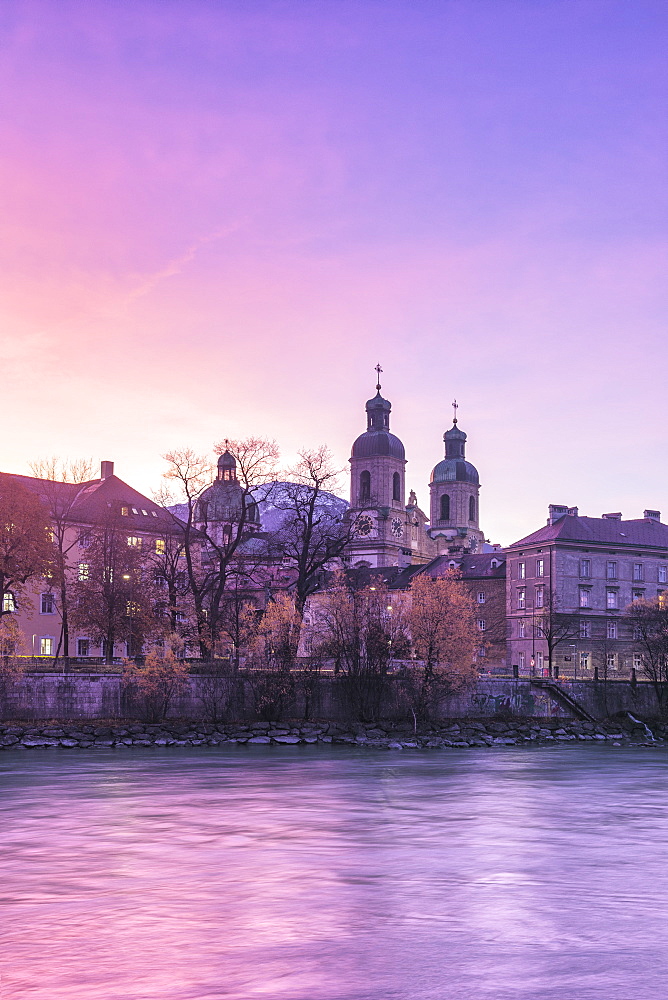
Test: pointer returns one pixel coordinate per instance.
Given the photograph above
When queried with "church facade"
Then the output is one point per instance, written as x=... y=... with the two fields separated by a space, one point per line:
x=392 y=531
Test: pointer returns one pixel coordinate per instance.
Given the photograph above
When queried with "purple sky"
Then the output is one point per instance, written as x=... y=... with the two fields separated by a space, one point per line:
x=217 y=217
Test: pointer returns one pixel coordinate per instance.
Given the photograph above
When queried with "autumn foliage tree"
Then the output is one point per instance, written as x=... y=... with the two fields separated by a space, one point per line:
x=273 y=654
x=26 y=546
x=152 y=685
x=441 y=621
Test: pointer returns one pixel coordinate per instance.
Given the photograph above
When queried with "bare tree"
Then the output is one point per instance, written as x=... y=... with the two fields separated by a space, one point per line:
x=554 y=626
x=315 y=530
x=26 y=546
x=649 y=621
x=59 y=479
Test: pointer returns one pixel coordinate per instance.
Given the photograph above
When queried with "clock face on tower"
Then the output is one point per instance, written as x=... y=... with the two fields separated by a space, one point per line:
x=397 y=527
x=364 y=525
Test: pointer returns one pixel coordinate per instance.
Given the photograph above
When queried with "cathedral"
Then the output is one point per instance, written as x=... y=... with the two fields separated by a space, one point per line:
x=392 y=532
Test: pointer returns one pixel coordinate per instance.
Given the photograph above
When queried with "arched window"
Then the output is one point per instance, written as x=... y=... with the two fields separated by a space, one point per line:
x=445 y=507
x=396 y=486
x=365 y=485
x=471 y=508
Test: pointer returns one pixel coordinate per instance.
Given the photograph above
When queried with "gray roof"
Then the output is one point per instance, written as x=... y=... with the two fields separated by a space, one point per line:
x=454 y=470
x=642 y=532
x=373 y=443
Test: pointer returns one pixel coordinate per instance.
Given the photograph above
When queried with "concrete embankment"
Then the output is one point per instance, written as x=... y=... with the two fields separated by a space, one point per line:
x=458 y=734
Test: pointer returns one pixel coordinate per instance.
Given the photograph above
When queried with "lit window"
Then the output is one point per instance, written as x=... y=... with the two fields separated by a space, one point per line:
x=585 y=630
x=47 y=604
x=611 y=599
x=585 y=597
x=521 y=630
x=521 y=571
x=611 y=570
x=638 y=572
x=134 y=541
x=125 y=511
x=540 y=597
x=159 y=546
x=663 y=574
x=521 y=599
x=83 y=647
x=8 y=601
x=611 y=630
x=585 y=568
x=540 y=567
x=482 y=624
x=131 y=608
x=144 y=512
x=481 y=597
x=84 y=571
x=46 y=646
x=50 y=537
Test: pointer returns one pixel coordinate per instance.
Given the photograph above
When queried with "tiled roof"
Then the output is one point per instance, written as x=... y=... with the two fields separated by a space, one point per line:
x=90 y=503
x=491 y=565
x=604 y=531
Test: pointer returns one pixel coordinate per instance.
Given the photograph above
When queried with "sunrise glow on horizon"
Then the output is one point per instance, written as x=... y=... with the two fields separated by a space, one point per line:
x=219 y=217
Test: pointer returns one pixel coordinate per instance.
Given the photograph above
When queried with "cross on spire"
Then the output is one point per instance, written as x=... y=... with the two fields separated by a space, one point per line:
x=455 y=407
x=378 y=369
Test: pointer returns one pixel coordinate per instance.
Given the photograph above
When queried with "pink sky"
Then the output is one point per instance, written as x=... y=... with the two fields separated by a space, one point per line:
x=218 y=216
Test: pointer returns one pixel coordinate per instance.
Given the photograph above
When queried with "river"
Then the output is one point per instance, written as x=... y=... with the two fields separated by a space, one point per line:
x=299 y=873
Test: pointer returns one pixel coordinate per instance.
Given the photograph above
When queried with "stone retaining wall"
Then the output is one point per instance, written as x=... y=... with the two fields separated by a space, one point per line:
x=462 y=733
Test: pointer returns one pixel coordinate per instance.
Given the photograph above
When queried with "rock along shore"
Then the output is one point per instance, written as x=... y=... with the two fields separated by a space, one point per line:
x=457 y=734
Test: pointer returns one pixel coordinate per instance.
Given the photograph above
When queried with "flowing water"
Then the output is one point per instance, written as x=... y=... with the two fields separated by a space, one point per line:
x=298 y=873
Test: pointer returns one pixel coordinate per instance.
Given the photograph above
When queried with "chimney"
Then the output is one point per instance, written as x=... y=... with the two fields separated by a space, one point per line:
x=557 y=510
x=617 y=516
x=652 y=515
x=106 y=470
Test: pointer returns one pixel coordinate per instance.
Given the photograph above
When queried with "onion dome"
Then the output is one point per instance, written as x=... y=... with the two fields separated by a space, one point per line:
x=377 y=440
x=454 y=468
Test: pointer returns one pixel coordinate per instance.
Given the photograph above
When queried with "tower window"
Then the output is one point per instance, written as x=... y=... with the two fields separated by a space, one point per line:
x=365 y=485
x=396 y=486
x=445 y=507
x=471 y=508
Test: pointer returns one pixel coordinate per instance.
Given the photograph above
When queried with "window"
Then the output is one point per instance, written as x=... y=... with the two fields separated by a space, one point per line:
x=365 y=485
x=131 y=608
x=611 y=570
x=445 y=507
x=47 y=604
x=611 y=599
x=8 y=601
x=481 y=597
x=611 y=661
x=585 y=597
x=521 y=630
x=46 y=646
x=521 y=599
x=540 y=567
x=584 y=661
x=84 y=571
x=83 y=647
x=663 y=574
x=521 y=571
x=540 y=597
x=135 y=510
x=540 y=659
x=638 y=572
x=471 y=508
x=482 y=650
x=85 y=539
x=611 y=630
x=482 y=624
x=637 y=661
x=638 y=595
x=521 y=660
x=160 y=546
x=158 y=578
x=125 y=511
x=134 y=541
x=396 y=486
x=585 y=630
x=585 y=569
x=637 y=633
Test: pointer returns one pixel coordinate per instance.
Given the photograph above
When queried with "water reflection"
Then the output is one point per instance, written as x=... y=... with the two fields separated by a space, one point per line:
x=315 y=874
